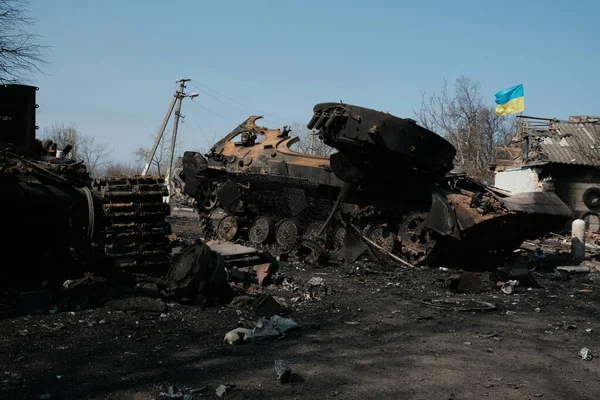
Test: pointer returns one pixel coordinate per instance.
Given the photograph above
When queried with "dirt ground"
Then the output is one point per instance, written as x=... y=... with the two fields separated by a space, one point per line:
x=365 y=334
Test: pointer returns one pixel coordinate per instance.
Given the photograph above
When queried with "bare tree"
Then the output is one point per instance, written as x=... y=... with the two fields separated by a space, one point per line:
x=309 y=142
x=208 y=144
x=160 y=160
x=94 y=154
x=116 y=169
x=20 y=52
x=466 y=121
x=63 y=135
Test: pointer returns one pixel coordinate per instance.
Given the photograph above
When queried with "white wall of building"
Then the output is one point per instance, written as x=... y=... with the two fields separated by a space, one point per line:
x=518 y=181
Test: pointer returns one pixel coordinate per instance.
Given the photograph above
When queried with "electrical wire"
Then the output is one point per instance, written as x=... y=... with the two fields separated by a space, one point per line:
x=202 y=132
x=198 y=122
x=235 y=101
x=228 y=98
x=222 y=102
x=218 y=115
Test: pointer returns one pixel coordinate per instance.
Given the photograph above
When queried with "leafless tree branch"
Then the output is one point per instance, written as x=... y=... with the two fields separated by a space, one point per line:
x=21 y=54
x=118 y=169
x=464 y=119
x=94 y=154
x=160 y=160
x=309 y=143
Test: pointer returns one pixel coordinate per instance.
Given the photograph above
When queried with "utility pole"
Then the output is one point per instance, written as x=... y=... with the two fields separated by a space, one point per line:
x=175 y=103
x=174 y=136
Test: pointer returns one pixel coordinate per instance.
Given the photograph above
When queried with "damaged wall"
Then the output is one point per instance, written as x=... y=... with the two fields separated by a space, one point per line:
x=578 y=186
x=574 y=184
x=519 y=181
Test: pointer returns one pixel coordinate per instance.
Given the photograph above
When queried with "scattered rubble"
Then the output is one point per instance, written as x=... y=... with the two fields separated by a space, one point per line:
x=272 y=328
x=283 y=371
x=509 y=286
x=459 y=304
x=465 y=282
x=352 y=312
x=207 y=269
x=266 y=306
x=171 y=394
x=245 y=263
x=223 y=390
x=586 y=354
x=574 y=269
x=137 y=304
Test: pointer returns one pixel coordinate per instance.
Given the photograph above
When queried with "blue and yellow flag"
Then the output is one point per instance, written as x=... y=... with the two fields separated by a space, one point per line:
x=510 y=101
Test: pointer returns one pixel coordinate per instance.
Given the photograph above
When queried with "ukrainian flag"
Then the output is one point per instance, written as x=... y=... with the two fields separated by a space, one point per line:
x=510 y=101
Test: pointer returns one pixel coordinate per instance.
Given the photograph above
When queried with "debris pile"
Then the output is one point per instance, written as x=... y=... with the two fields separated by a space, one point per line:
x=208 y=270
x=273 y=328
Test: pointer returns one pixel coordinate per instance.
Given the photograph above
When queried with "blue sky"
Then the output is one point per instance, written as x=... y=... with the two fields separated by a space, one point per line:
x=114 y=63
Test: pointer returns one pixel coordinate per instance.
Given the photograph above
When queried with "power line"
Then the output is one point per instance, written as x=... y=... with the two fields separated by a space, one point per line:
x=229 y=98
x=235 y=101
x=222 y=102
x=202 y=132
x=198 y=122
x=218 y=115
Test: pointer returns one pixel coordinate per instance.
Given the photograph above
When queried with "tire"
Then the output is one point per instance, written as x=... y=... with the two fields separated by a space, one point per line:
x=591 y=197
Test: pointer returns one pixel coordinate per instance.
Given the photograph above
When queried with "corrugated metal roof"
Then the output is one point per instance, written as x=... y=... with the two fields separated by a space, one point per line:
x=567 y=143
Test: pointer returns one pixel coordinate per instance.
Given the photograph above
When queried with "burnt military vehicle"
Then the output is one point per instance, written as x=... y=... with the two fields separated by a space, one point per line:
x=390 y=183
x=56 y=218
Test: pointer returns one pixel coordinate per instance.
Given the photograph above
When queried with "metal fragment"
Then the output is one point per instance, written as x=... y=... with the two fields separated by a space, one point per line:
x=458 y=304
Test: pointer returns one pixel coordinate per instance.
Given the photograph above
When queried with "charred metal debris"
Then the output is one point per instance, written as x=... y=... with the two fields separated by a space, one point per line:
x=57 y=215
x=76 y=234
x=202 y=271
x=388 y=188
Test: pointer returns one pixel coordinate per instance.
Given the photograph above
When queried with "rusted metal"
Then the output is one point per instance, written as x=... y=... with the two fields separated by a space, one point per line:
x=459 y=304
x=390 y=180
x=264 y=272
x=313 y=250
x=383 y=236
x=189 y=269
x=261 y=230
x=228 y=228
x=395 y=257
x=465 y=282
x=417 y=241
x=244 y=263
x=266 y=306
x=286 y=232
x=313 y=229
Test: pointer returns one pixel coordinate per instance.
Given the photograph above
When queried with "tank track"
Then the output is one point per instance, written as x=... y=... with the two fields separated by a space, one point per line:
x=394 y=232
x=206 y=225
x=384 y=227
x=264 y=200
x=135 y=231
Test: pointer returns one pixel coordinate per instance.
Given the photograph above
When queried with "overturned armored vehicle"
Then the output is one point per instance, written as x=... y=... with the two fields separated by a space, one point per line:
x=58 y=219
x=390 y=184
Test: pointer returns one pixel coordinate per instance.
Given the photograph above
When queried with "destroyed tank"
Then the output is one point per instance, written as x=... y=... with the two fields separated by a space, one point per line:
x=58 y=219
x=390 y=185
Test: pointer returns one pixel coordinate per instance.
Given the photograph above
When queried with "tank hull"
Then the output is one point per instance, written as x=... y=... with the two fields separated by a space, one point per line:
x=389 y=184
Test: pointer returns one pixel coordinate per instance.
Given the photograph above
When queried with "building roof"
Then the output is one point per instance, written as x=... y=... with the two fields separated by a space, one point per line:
x=564 y=142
